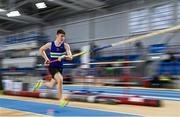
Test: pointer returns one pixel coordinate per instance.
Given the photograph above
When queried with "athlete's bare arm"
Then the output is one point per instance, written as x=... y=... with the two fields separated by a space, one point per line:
x=43 y=49
x=68 y=51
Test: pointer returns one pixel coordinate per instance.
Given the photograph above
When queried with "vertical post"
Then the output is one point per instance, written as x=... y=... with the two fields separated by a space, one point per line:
x=85 y=58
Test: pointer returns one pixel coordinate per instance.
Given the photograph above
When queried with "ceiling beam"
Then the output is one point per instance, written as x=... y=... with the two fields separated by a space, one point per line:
x=81 y=3
x=94 y=2
x=19 y=4
x=53 y=12
x=2 y=16
x=25 y=19
x=61 y=12
x=68 y=5
x=5 y=31
x=32 y=19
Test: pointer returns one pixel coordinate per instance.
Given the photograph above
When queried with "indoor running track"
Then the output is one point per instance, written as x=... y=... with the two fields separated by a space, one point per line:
x=42 y=108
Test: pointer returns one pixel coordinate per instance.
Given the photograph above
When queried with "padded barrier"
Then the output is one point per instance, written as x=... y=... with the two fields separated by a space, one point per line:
x=94 y=98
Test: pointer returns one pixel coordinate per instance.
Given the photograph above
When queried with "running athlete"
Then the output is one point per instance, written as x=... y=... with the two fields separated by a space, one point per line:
x=58 y=48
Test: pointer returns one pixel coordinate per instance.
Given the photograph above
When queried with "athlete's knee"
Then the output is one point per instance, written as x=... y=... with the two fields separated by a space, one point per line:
x=58 y=77
x=59 y=80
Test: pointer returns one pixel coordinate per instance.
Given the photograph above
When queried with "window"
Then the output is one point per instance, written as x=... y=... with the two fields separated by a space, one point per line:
x=178 y=12
x=162 y=16
x=138 y=21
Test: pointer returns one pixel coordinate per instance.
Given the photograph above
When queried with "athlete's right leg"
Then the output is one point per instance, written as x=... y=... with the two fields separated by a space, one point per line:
x=63 y=101
x=59 y=80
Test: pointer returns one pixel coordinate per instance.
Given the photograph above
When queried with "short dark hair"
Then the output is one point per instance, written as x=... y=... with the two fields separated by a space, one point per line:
x=60 y=31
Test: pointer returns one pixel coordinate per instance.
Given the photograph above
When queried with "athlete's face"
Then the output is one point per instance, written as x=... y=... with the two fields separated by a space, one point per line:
x=60 y=37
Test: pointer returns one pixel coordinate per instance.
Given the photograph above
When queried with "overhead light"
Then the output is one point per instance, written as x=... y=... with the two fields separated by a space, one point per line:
x=2 y=10
x=13 y=14
x=41 y=5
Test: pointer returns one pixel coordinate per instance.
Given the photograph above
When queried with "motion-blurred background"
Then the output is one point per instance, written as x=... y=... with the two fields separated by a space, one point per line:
x=154 y=62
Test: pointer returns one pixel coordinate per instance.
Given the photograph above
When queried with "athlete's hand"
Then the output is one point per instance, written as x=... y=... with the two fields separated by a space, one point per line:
x=61 y=57
x=46 y=62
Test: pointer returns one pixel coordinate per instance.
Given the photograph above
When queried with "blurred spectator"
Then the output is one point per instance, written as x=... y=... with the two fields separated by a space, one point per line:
x=155 y=81
x=171 y=57
x=141 y=67
x=140 y=50
x=165 y=80
x=93 y=55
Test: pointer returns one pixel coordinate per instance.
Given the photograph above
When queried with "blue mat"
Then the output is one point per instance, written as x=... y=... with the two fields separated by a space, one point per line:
x=41 y=108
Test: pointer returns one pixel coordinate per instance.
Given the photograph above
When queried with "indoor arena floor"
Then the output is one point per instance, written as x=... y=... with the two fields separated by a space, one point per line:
x=26 y=106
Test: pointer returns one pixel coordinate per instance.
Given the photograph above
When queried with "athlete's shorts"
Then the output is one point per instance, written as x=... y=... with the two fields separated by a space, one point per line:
x=54 y=70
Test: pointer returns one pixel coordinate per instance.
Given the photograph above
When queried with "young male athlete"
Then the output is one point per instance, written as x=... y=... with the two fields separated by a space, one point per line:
x=57 y=48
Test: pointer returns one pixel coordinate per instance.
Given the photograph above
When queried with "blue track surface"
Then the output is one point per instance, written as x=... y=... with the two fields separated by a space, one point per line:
x=160 y=94
x=166 y=94
x=41 y=108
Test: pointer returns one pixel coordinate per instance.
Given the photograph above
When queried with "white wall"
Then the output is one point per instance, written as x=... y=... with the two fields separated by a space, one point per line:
x=77 y=32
